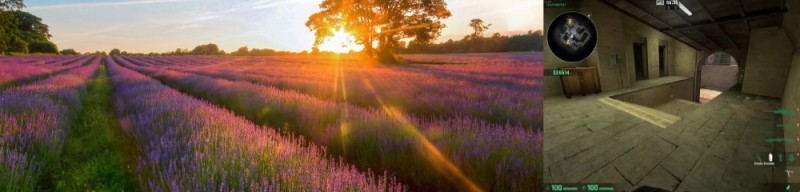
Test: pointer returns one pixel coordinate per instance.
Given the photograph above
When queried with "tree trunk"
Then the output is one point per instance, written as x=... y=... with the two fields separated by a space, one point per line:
x=385 y=49
x=368 y=50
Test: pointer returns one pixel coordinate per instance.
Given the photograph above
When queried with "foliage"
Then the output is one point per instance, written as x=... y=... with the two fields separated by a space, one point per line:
x=68 y=52
x=478 y=26
x=6 y=5
x=241 y=51
x=531 y=41
x=42 y=47
x=115 y=51
x=383 y=21
x=32 y=27
x=22 y=32
x=207 y=49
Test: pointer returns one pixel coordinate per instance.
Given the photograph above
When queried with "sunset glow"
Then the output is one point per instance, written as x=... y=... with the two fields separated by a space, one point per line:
x=340 y=42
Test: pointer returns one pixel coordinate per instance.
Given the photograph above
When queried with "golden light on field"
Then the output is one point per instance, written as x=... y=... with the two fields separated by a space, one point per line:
x=340 y=42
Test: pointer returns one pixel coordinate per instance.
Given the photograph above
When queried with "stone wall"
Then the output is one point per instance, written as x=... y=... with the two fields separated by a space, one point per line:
x=719 y=76
x=768 y=60
x=654 y=96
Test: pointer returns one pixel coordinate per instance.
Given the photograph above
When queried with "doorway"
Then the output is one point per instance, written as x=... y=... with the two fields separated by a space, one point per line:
x=716 y=74
x=640 y=61
x=662 y=64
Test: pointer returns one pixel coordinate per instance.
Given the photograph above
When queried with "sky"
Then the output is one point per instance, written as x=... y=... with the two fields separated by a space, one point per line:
x=164 y=25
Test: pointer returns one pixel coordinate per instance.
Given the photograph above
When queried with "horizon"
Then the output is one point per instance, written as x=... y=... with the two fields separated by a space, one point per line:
x=143 y=26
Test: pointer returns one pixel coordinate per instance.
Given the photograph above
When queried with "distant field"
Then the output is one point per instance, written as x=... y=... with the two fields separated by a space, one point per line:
x=453 y=122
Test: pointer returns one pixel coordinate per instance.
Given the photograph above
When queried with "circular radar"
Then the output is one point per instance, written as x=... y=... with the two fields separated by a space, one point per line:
x=572 y=36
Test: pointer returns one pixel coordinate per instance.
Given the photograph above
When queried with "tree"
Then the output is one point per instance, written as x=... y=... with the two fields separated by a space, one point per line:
x=6 y=5
x=9 y=32
x=115 y=51
x=532 y=41
x=32 y=27
x=383 y=21
x=43 y=47
x=207 y=49
x=23 y=32
x=241 y=51
x=478 y=27
x=69 y=52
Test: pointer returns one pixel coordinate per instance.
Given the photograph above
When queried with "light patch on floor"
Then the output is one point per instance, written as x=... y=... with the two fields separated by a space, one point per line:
x=655 y=117
x=707 y=95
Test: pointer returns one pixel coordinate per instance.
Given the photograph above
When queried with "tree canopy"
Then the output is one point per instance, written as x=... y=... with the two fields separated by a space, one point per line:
x=478 y=27
x=23 y=32
x=115 y=51
x=207 y=49
x=531 y=41
x=384 y=22
x=69 y=52
x=6 y=5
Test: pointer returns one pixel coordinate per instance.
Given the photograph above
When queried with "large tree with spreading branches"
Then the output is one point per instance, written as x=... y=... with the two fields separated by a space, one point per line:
x=383 y=21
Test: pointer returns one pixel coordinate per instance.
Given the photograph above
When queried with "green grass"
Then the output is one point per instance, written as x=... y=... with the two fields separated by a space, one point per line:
x=98 y=155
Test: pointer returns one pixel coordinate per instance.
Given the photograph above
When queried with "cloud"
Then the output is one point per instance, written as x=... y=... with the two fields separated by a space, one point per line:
x=264 y=4
x=99 y=4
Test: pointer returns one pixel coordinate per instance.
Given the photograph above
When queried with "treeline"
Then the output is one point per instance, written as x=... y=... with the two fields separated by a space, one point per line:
x=209 y=49
x=244 y=51
x=531 y=41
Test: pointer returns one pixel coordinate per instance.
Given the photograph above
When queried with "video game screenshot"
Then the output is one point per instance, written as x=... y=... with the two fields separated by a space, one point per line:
x=671 y=95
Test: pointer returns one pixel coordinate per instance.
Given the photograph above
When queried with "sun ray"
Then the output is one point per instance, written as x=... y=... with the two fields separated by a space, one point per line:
x=441 y=163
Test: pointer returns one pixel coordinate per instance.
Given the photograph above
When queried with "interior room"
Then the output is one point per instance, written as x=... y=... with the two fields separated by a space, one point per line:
x=687 y=98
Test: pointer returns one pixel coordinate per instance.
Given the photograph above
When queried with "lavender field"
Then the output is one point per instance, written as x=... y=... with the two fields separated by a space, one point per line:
x=454 y=122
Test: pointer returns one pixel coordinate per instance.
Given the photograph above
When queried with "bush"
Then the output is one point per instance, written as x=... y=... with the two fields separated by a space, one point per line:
x=42 y=47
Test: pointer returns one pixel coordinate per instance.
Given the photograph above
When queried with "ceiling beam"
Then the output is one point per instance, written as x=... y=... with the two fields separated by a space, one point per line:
x=632 y=10
x=705 y=9
x=688 y=41
x=624 y=12
x=714 y=44
x=718 y=26
x=702 y=35
x=741 y=8
x=728 y=37
x=732 y=18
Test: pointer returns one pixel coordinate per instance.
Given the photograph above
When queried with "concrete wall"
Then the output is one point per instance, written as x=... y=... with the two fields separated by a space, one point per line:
x=719 y=76
x=655 y=96
x=791 y=94
x=768 y=60
x=613 y=55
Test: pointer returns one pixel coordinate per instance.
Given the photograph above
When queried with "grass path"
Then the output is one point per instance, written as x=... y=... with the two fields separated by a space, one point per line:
x=98 y=155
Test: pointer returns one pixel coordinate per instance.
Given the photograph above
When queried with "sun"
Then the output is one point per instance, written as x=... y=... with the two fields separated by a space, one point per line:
x=340 y=42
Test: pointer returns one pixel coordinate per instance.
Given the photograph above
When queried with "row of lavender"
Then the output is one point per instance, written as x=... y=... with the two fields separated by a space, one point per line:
x=439 y=153
x=497 y=93
x=21 y=68
x=33 y=119
x=190 y=145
